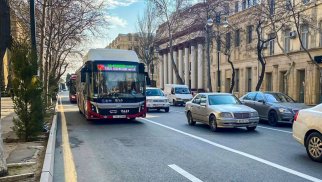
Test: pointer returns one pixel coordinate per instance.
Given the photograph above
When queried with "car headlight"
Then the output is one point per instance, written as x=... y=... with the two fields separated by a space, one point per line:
x=226 y=115
x=149 y=100
x=283 y=110
x=254 y=114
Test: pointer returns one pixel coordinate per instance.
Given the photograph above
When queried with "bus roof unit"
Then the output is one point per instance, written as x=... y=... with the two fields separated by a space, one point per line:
x=103 y=54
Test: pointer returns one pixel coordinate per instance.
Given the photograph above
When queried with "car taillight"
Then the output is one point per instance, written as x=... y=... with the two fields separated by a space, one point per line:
x=295 y=117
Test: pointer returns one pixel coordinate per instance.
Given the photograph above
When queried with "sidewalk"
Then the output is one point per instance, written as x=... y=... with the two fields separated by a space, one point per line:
x=24 y=156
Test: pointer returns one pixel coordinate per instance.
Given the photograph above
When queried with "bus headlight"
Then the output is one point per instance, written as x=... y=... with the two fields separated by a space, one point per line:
x=93 y=108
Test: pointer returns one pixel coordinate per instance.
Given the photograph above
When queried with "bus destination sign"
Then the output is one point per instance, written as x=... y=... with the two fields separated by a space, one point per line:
x=116 y=67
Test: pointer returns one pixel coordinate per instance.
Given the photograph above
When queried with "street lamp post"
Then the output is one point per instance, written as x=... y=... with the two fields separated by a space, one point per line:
x=208 y=28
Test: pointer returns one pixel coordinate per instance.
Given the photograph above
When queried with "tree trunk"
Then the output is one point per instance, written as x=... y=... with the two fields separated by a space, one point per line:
x=232 y=85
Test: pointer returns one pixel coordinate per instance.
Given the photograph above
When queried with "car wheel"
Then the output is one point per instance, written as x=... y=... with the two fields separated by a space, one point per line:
x=167 y=109
x=314 y=146
x=190 y=119
x=272 y=118
x=213 y=123
x=251 y=128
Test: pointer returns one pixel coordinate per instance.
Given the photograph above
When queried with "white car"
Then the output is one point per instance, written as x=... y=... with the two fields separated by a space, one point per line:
x=155 y=99
x=307 y=129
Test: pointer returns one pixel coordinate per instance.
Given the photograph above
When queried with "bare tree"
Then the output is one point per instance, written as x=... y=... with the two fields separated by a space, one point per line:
x=146 y=26
x=171 y=15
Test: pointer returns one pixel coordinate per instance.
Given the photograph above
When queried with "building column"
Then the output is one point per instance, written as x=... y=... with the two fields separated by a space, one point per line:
x=180 y=63
x=165 y=68
x=186 y=66
x=175 y=53
x=193 y=68
x=170 y=70
x=161 y=72
x=200 y=67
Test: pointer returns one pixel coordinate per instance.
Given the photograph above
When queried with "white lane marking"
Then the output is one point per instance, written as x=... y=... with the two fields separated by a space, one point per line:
x=258 y=159
x=184 y=173
x=177 y=111
x=274 y=129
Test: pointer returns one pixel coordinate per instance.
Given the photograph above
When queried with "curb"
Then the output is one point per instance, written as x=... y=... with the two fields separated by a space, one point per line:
x=47 y=172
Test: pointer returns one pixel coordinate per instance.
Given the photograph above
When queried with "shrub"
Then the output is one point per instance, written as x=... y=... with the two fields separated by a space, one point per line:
x=27 y=90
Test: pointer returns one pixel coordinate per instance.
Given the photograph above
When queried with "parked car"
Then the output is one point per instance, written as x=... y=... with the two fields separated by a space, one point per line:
x=156 y=99
x=177 y=94
x=307 y=129
x=220 y=110
x=275 y=107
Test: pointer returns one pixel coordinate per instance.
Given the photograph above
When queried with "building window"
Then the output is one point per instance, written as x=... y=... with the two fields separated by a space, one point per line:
x=287 y=40
x=218 y=18
x=244 y=5
x=305 y=36
x=237 y=38
x=249 y=79
x=236 y=80
x=269 y=84
x=228 y=38
x=271 y=44
x=272 y=7
x=255 y=2
x=288 y=5
x=236 y=6
x=226 y=8
x=305 y=1
x=249 y=3
x=249 y=34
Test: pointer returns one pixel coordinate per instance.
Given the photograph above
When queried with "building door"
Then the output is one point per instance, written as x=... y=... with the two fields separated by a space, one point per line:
x=301 y=84
x=228 y=83
x=269 y=84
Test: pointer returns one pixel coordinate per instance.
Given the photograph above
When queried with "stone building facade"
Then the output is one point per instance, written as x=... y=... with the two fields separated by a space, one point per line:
x=125 y=41
x=303 y=82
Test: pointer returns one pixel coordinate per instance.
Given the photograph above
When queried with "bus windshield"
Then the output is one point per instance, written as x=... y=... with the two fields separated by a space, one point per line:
x=119 y=84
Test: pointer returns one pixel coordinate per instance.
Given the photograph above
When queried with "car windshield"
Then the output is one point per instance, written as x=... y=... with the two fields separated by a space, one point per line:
x=182 y=90
x=119 y=84
x=222 y=99
x=278 y=97
x=154 y=92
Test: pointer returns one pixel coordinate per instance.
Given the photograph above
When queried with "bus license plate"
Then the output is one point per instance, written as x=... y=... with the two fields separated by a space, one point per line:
x=119 y=116
x=242 y=121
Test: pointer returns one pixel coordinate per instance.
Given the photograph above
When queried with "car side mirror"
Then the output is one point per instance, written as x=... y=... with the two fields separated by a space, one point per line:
x=203 y=104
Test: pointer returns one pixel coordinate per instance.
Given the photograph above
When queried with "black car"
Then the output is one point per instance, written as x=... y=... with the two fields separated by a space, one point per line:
x=275 y=107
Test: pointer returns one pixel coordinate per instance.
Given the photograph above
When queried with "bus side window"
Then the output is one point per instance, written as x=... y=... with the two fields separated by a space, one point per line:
x=83 y=75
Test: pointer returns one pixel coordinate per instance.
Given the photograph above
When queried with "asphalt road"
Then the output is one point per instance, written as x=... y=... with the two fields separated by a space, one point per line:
x=163 y=147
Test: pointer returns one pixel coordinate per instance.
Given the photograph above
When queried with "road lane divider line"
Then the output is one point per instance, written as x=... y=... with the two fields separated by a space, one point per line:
x=69 y=165
x=284 y=131
x=250 y=156
x=184 y=173
x=177 y=111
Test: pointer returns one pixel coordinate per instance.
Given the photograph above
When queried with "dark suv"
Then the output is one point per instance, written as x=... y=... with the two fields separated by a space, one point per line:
x=275 y=107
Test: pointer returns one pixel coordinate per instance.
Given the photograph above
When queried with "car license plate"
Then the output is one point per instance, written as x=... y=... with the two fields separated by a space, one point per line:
x=157 y=105
x=242 y=121
x=119 y=116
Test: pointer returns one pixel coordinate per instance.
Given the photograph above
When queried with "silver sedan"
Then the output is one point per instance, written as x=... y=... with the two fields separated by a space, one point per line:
x=220 y=110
